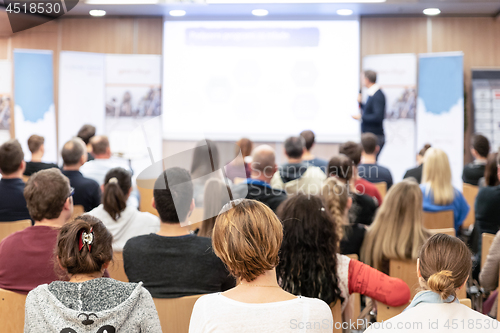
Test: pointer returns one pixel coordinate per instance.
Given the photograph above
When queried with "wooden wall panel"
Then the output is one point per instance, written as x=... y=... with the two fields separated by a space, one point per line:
x=149 y=35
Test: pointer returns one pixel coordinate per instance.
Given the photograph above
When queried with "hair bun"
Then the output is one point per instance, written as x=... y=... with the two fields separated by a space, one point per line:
x=442 y=283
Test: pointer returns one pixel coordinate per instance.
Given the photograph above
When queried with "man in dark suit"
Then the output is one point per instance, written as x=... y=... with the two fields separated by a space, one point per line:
x=373 y=111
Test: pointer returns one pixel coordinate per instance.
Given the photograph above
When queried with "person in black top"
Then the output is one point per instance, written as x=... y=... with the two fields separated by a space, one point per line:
x=37 y=148
x=480 y=150
x=369 y=169
x=258 y=187
x=87 y=191
x=86 y=133
x=175 y=263
x=12 y=203
x=373 y=111
x=416 y=173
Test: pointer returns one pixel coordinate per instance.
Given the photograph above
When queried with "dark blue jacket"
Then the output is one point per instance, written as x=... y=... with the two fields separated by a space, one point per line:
x=373 y=114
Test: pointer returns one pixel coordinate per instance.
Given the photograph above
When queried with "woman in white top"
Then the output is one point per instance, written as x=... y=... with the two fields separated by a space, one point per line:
x=124 y=222
x=247 y=237
x=443 y=267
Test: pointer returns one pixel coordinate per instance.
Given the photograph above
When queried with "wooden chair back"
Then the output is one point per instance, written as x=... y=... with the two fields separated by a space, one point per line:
x=116 y=269
x=26 y=178
x=385 y=312
x=487 y=240
x=175 y=313
x=439 y=220
x=466 y=301
x=470 y=193
x=337 y=316
x=7 y=228
x=446 y=231
x=77 y=211
x=382 y=188
x=12 y=311
x=405 y=270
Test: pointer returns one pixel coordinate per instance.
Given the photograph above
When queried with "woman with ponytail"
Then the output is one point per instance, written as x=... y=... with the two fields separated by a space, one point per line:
x=88 y=302
x=443 y=267
x=124 y=222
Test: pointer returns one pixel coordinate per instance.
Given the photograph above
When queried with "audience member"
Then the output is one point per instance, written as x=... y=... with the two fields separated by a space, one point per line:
x=123 y=221
x=86 y=133
x=363 y=207
x=258 y=186
x=37 y=149
x=239 y=169
x=205 y=165
x=397 y=231
x=369 y=169
x=216 y=196
x=311 y=266
x=247 y=237
x=27 y=256
x=480 y=150
x=416 y=172
x=174 y=263
x=338 y=202
x=490 y=172
x=353 y=151
x=308 y=157
x=87 y=191
x=438 y=191
x=12 y=165
x=443 y=267
x=297 y=176
x=83 y=252
x=490 y=273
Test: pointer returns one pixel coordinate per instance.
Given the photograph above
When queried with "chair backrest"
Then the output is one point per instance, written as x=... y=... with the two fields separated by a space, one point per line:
x=446 y=231
x=11 y=311
x=382 y=188
x=485 y=247
x=77 y=211
x=439 y=220
x=7 y=228
x=337 y=316
x=145 y=187
x=25 y=178
x=466 y=301
x=405 y=270
x=116 y=269
x=385 y=312
x=470 y=193
x=175 y=313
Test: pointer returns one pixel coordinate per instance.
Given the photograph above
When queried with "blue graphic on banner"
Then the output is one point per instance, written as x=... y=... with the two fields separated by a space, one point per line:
x=440 y=82
x=33 y=79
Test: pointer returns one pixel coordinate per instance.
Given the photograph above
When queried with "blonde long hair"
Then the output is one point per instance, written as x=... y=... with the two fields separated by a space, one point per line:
x=335 y=195
x=437 y=176
x=397 y=231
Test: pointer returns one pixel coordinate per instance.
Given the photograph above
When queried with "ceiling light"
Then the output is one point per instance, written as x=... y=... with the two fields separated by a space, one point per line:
x=432 y=11
x=97 y=12
x=289 y=1
x=345 y=12
x=260 y=12
x=121 y=2
x=177 y=12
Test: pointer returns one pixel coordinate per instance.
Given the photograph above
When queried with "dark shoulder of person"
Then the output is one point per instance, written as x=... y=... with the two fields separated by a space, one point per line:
x=351 y=243
x=472 y=173
x=363 y=210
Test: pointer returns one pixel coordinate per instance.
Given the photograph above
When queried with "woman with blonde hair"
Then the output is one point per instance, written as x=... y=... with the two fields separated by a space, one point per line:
x=443 y=268
x=247 y=237
x=397 y=231
x=439 y=193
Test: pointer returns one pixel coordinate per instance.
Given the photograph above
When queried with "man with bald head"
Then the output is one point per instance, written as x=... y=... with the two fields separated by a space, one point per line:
x=87 y=191
x=263 y=168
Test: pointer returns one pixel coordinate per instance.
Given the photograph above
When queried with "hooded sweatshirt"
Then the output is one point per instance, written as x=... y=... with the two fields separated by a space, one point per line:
x=94 y=306
x=296 y=178
x=131 y=223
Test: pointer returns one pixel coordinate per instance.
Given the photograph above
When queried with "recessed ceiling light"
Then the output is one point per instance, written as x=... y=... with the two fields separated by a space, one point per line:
x=177 y=12
x=432 y=11
x=97 y=12
x=345 y=12
x=260 y=12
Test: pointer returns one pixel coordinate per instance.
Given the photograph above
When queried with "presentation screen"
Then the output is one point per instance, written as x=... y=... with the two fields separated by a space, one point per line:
x=265 y=80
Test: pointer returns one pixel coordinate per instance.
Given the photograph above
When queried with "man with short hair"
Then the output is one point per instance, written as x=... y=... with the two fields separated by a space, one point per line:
x=87 y=191
x=308 y=157
x=37 y=149
x=369 y=169
x=173 y=262
x=297 y=176
x=86 y=133
x=258 y=186
x=12 y=166
x=27 y=256
x=353 y=150
x=480 y=150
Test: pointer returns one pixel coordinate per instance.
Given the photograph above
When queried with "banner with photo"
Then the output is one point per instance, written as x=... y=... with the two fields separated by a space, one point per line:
x=440 y=107
x=34 y=111
x=397 y=77
x=5 y=99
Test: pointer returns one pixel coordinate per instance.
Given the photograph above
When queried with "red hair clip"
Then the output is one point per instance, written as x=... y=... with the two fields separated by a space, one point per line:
x=86 y=238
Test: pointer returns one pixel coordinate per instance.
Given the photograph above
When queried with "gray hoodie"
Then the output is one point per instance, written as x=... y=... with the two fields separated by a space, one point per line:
x=96 y=306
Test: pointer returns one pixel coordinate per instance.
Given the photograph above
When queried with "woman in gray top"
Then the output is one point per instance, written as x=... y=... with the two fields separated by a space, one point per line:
x=88 y=302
